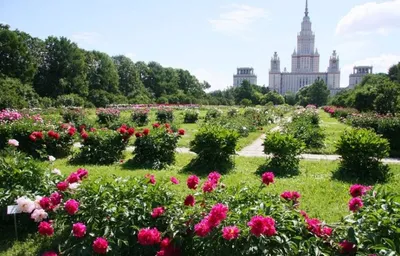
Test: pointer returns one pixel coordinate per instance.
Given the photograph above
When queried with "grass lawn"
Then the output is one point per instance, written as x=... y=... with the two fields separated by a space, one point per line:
x=333 y=129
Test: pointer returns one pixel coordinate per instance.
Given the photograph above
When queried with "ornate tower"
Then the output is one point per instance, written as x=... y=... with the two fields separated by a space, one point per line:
x=333 y=80
x=275 y=64
x=306 y=59
x=275 y=74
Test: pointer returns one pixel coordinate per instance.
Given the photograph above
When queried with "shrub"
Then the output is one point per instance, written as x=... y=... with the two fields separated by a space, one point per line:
x=77 y=116
x=361 y=152
x=103 y=146
x=107 y=115
x=242 y=125
x=7 y=116
x=140 y=117
x=214 y=146
x=58 y=142
x=165 y=115
x=285 y=149
x=191 y=116
x=213 y=113
x=246 y=102
x=233 y=112
x=69 y=100
x=156 y=148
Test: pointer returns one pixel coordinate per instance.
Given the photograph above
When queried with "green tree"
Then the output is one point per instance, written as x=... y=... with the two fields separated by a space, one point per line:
x=316 y=94
x=273 y=97
x=102 y=72
x=394 y=73
x=129 y=76
x=387 y=99
x=290 y=98
x=16 y=94
x=63 y=70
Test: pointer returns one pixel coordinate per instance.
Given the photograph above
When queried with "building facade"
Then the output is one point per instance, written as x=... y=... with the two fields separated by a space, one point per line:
x=305 y=64
x=244 y=74
x=358 y=74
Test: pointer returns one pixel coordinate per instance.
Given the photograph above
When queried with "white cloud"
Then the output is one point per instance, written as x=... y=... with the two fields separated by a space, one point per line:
x=381 y=64
x=130 y=55
x=86 y=37
x=370 y=18
x=3 y=22
x=237 y=19
x=217 y=80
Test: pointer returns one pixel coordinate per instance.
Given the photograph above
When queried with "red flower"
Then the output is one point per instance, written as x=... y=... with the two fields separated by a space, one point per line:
x=291 y=196
x=71 y=131
x=82 y=127
x=82 y=173
x=202 y=229
x=192 y=182
x=167 y=125
x=260 y=225
x=190 y=200
x=347 y=247
x=94 y=129
x=84 y=135
x=32 y=137
x=45 y=228
x=230 y=233
x=100 y=245
x=146 y=131
x=138 y=135
x=45 y=203
x=49 y=253
x=327 y=231
x=355 y=204
x=268 y=177
x=181 y=132
x=157 y=212
x=168 y=249
x=156 y=125
x=209 y=186
x=73 y=177
x=131 y=131
x=38 y=135
x=62 y=186
x=151 y=178
x=122 y=130
x=174 y=180
x=79 y=229
x=149 y=236
x=358 y=190
x=71 y=206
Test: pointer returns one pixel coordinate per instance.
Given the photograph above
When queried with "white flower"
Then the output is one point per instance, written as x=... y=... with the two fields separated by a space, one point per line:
x=38 y=215
x=52 y=158
x=37 y=202
x=244 y=128
x=56 y=171
x=73 y=186
x=13 y=142
x=25 y=204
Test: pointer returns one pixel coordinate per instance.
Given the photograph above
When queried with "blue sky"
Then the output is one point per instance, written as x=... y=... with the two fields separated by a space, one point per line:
x=211 y=38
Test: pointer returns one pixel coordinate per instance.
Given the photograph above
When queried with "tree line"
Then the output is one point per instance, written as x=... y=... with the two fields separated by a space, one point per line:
x=55 y=71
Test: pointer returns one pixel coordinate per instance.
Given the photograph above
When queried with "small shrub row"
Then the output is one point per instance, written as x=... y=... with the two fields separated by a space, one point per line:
x=107 y=115
x=140 y=117
x=190 y=116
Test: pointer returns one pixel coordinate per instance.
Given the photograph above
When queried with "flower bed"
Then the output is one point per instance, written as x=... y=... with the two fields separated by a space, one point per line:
x=141 y=117
x=107 y=115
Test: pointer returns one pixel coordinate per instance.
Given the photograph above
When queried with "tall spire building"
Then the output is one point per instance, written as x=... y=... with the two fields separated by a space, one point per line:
x=305 y=64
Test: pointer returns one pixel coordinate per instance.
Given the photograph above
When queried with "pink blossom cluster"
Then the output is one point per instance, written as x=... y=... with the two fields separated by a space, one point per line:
x=72 y=182
x=316 y=227
x=9 y=115
x=357 y=191
x=260 y=225
x=213 y=219
x=108 y=111
x=212 y=182
x=291 y=196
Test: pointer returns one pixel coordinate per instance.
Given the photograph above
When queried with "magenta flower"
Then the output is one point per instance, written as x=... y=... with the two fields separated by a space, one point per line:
x=174 y=180
x=268 y=177
x=79 y=229
x=355 y=204
x=230 y=233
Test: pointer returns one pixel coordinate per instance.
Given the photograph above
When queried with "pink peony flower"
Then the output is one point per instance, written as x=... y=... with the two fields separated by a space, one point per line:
x=100 y=245
x=73 y=177
x=291 y=196
x=190 y=200
x=358 y=190
x=55 y=198
x=304 y=214
x=39 y=215
x=71 y=206
x=79 y=229
x=214 y=176
x=192 y=182
x=347 y=247
x=202 y=229
x=260 y=225
x=209 y=186
x=45 y=228
x=51 y=253
x=174 y=180
x=152 y=179
x=149 y=236
x=230 y=233
x=45 y=203
x=355 y=204
x=217 y=214
x=267 y=178
x=157 y=212
x=62 y=186
x=82 y=173
x=13 y=143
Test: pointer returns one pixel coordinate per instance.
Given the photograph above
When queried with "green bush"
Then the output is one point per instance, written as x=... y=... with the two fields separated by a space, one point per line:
x=285 y=149
x=213 y=113
x=190 y=116
x=69 y=100
x=233 y=112
x=214 y=146
x=156 y=148
x=103 y=146
x=361 y=152
x=76 y=116
x=140 y=117
x=107 y=115
x=165 y=115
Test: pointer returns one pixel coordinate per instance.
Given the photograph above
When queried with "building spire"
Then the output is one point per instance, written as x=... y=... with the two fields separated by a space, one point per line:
x=306 y=12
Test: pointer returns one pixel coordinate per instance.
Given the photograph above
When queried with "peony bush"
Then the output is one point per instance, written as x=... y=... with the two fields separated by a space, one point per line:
x=140 y=116
x=190 y=116
x=107 y=115
x=156 y=147
x=165 y=115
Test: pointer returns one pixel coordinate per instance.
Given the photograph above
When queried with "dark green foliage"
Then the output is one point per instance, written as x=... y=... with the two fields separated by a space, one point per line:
x=190 y=116
x=140 y=117
x=315 y=94
x=246 y=102
x=285 y=150
x=157 y=149
x=361 y=152
x=102 y=72
x=16 y=94
x=273 y=97
x=394 y=73
x=69 y=100
x=213 y=113
x=214 y=146
x=165 y=115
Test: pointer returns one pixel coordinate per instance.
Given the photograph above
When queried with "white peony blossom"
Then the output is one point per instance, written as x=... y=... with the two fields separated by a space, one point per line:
x=13 y=142
x=73 y=186
x=38 y=215
x=52 y=158
x=56 y=171
x=25 y=204
x=37 y=202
